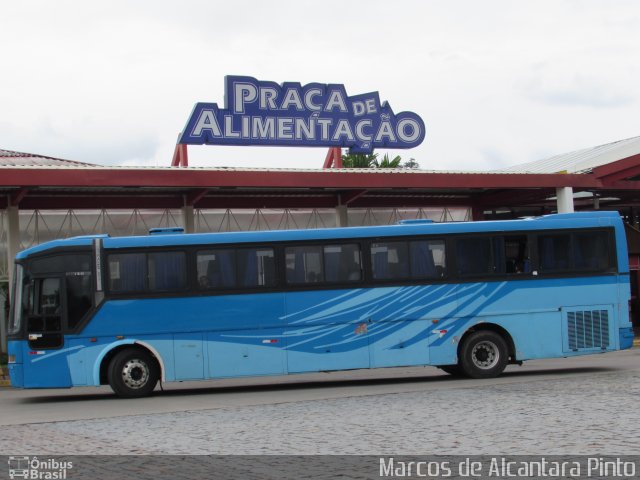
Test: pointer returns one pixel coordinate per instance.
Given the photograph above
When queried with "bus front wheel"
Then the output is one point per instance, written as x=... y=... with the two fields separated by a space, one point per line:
x=133 y=373
x=483 y=354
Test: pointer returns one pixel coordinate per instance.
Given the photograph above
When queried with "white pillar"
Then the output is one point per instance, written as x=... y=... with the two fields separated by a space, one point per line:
x=13 y=246
x=342 y=219
x=3 y=325
x=13 y=240
x=564 y=199
x=188 y=222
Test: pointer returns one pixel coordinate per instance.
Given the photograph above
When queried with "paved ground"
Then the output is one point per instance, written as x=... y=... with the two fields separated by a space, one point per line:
x=571 y=406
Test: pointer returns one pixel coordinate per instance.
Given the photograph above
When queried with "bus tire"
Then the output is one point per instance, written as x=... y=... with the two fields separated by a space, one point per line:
x=483 y=354
x=132 y=373
x=454 y=370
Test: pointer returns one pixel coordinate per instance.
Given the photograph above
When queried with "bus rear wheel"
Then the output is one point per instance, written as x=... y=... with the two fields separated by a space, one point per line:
x=483 y=354
x=133 y=373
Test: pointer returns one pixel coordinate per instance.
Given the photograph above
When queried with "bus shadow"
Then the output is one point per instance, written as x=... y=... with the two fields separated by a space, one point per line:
x=302 y=384
x=364 y=382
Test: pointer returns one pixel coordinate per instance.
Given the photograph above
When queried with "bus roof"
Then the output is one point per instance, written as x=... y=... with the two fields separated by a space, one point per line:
x=546 y=222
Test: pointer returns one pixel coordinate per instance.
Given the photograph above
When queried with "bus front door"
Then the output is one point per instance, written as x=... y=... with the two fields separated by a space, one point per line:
x=44 y=313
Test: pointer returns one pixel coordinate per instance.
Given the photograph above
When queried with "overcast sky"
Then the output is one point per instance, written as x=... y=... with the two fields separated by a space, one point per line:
x=497 y=82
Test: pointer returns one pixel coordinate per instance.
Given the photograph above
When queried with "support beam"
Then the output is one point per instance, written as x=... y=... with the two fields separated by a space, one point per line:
x=477 y=213
x=195 y=196
x=180 y=156
x=564 y=199
x=348 y=197
x=188 y=219
x=342 y=218
x=333 y=158
x=16 y=197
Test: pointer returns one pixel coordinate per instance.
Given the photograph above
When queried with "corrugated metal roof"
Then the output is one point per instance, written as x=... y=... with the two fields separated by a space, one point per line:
x=9 y=158
x=580 y=161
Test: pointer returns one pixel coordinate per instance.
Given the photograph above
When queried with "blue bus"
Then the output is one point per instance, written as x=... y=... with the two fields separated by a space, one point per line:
x=469 y=298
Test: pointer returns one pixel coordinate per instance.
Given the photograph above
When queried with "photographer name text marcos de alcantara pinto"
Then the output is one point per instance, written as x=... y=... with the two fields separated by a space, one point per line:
x=501 y=467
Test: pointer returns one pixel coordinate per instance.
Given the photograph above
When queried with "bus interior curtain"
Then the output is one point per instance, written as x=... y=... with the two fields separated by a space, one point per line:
x=227 y=268
x=499 y=257
x=299 y=270
x=422 y=265
x=474 y=256
x=248 y=267
x=548 y=257
x=133 y=270
x=169 y=271
x=332 y=266
x=462 y=256
x=579 y=260
x=380 y=265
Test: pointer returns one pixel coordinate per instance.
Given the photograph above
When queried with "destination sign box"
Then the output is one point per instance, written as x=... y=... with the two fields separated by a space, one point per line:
x=315 y=115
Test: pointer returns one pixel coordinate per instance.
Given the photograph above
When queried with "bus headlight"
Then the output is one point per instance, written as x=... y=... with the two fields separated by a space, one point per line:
x=11 y=359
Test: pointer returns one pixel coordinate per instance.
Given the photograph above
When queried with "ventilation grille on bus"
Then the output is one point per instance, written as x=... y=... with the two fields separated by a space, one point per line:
x=588 y=329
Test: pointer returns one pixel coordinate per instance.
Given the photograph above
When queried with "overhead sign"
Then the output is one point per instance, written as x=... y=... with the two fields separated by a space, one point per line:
x=314 y=115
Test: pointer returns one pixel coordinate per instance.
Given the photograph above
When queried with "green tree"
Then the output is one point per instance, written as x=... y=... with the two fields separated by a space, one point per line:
x=359 y=160
x=388 y=162
x=411 y=164
x=370 y=160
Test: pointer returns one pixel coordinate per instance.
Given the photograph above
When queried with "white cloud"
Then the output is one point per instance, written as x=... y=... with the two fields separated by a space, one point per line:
x=497 y=82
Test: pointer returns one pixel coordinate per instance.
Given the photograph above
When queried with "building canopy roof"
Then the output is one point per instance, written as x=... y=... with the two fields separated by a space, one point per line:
x=40 y=182
x=9 y=158
x=581 y=161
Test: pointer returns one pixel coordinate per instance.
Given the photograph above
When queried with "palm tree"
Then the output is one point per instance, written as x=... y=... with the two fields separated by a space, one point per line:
x=388 y=162
x=370 y=160
x=359 y=160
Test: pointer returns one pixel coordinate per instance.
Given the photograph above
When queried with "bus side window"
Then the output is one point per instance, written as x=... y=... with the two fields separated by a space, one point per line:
x=256 y=267
x=428 y=259
x=216 y=268
x=591 y=251
x=553 y=251
x=167 y=271
x=304 y=264
x=342 y=263
x=511 y=254
x=127 y=272
x=79 y=286
x=474 y=256
x=390 y=260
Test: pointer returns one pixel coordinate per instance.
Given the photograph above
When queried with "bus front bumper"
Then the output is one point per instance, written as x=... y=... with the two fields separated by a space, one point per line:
x=15 y=364
x=16 y=375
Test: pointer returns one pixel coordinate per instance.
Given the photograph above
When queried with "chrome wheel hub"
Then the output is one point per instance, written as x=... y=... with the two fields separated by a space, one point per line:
x=485 y=355
x=135 y=373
